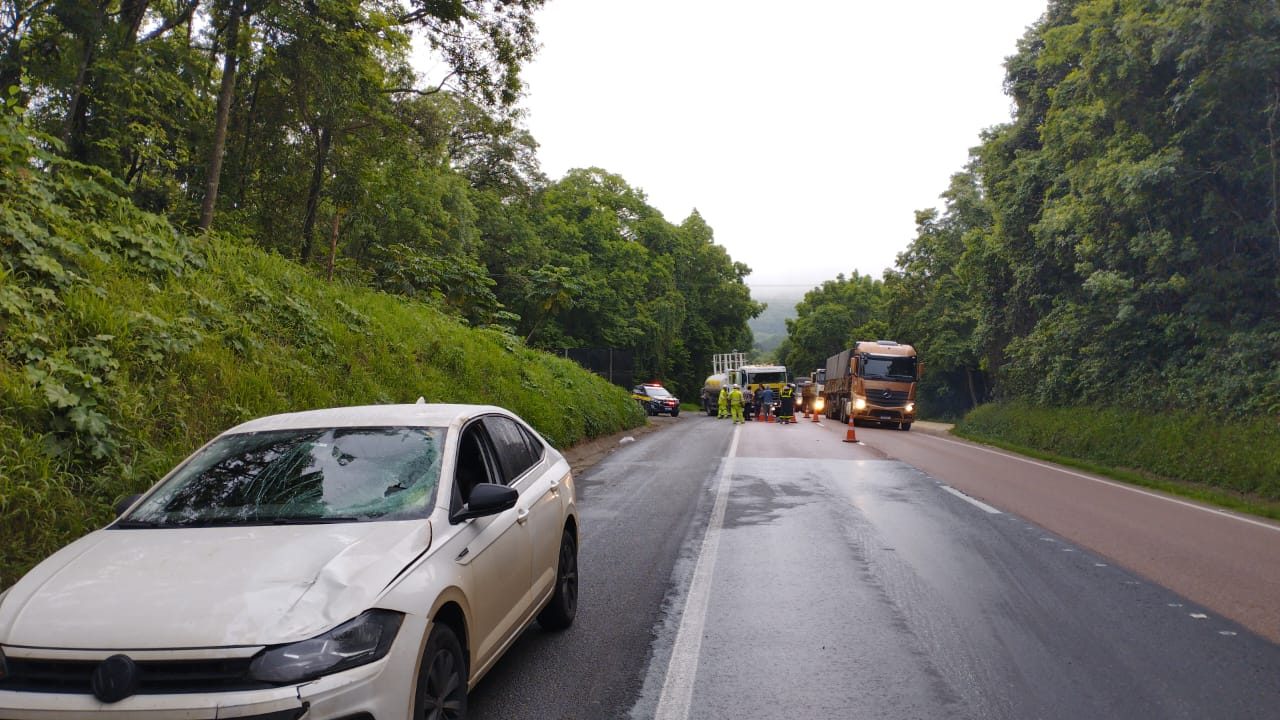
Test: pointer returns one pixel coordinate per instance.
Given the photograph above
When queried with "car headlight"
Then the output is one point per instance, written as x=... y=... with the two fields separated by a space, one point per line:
x=860 y=404
x=911 y=407
x=358 y=642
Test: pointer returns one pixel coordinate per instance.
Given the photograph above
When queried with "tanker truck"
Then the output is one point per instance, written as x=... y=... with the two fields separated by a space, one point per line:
x=721 y=365
x=731 y=368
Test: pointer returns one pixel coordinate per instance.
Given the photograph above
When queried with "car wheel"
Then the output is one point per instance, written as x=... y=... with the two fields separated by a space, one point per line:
x=905 y=426
x=675 y=413
x=442 y=680
x=560 y=611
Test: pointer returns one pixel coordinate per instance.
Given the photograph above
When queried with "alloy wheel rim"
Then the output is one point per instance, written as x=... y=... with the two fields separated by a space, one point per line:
x=569 y=577
x=443 y=685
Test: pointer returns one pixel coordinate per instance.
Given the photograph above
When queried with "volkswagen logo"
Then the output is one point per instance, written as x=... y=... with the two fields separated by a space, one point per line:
x=115 y=679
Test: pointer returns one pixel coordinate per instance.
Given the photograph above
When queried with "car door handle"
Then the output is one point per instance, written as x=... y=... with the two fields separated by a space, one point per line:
x=522 y=515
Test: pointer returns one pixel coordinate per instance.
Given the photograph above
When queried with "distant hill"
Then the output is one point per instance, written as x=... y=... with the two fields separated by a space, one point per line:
x=770 y=329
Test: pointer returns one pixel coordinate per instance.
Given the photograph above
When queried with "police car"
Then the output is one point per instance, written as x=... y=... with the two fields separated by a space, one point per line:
x=656 y=400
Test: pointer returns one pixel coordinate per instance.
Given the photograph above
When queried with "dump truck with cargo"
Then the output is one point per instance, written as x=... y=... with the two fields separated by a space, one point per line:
x=873 y=382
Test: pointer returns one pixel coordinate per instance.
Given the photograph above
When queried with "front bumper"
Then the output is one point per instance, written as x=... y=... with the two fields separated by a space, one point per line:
x=661 y=408
x=382 y=689
x=875 y=413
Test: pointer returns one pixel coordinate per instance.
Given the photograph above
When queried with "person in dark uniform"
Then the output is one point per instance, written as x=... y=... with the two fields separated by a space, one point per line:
x=787 y=404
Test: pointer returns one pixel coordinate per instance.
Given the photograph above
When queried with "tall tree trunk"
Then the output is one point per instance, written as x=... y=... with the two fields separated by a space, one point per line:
x=973 y=395
x=313 y=195
x=73 y=126
x=1275 y=166
x=225 y=93
x=250 y=117
x=333 y=241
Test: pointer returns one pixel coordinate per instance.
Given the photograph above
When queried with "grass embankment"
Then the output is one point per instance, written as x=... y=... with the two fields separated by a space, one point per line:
x=126 y=345
x=1235 y=464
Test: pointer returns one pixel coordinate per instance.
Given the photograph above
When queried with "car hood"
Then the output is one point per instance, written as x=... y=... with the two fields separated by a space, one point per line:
x=207 y=587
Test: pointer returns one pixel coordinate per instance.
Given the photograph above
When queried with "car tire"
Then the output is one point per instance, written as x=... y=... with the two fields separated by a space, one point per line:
x=563 y=606
x=442 y=680
x=904 y=426
x=675 y=413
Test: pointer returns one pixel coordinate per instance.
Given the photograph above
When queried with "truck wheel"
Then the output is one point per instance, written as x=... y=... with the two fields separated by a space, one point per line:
x=904 y=426
x=675 y=413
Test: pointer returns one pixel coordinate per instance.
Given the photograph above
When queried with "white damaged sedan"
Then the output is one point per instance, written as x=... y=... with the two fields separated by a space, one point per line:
x=364 y=563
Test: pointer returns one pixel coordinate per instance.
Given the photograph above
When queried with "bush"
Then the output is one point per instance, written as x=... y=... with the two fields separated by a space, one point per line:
x=1238 y=456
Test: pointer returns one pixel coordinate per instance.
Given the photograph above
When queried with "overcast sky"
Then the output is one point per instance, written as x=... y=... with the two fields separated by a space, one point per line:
x=806 y=134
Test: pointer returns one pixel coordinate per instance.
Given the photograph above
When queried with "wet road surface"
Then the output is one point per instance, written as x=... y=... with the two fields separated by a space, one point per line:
x=777 y=571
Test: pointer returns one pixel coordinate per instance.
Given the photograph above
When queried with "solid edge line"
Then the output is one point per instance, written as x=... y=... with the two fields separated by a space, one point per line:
x=1215 y=511
x=972 y=501
x=677 y=687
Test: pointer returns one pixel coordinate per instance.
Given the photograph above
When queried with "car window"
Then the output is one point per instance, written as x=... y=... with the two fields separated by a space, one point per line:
x=513 y=448
x=302 y=475
x=474 y=465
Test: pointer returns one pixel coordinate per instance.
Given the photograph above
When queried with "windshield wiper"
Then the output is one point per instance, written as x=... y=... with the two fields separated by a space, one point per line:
x=135 y=524
x=312 y=520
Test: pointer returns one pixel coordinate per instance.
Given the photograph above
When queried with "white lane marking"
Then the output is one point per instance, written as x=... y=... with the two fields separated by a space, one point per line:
x=1175 y=604
x=974 y=502
x=1199 y=616
x=1068 y=549
x=1099 y=564
x=1112 y=483
x=677 y=687
x=1228 y=633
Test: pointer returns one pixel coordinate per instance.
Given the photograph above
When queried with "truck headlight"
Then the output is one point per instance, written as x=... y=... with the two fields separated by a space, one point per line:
x=860 y=404
x=819 y=404
x=357 y=642
x=911 y=407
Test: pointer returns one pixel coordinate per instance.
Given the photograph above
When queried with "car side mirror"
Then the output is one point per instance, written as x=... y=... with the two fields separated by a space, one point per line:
x=486 y=499
x=126 y=503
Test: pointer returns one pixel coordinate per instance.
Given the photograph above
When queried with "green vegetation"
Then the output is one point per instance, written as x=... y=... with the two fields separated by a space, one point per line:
x=1236 y=463
x=303 y=129
x=1112 y=252
x=126 y=344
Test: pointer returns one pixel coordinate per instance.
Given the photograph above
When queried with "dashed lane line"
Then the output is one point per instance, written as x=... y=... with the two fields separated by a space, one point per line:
x=972 y=501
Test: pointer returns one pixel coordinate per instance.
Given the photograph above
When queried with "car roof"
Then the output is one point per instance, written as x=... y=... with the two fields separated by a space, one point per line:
x=415 y=415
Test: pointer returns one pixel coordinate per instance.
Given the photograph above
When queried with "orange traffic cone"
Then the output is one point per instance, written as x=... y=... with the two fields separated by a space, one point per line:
x=850 y=435
x=814 y=416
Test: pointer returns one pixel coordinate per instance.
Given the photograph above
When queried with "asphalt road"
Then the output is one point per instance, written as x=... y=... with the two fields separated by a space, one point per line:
x=778 y=571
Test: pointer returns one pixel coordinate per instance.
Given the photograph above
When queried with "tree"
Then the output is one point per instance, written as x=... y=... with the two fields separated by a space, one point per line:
x=826 y=317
